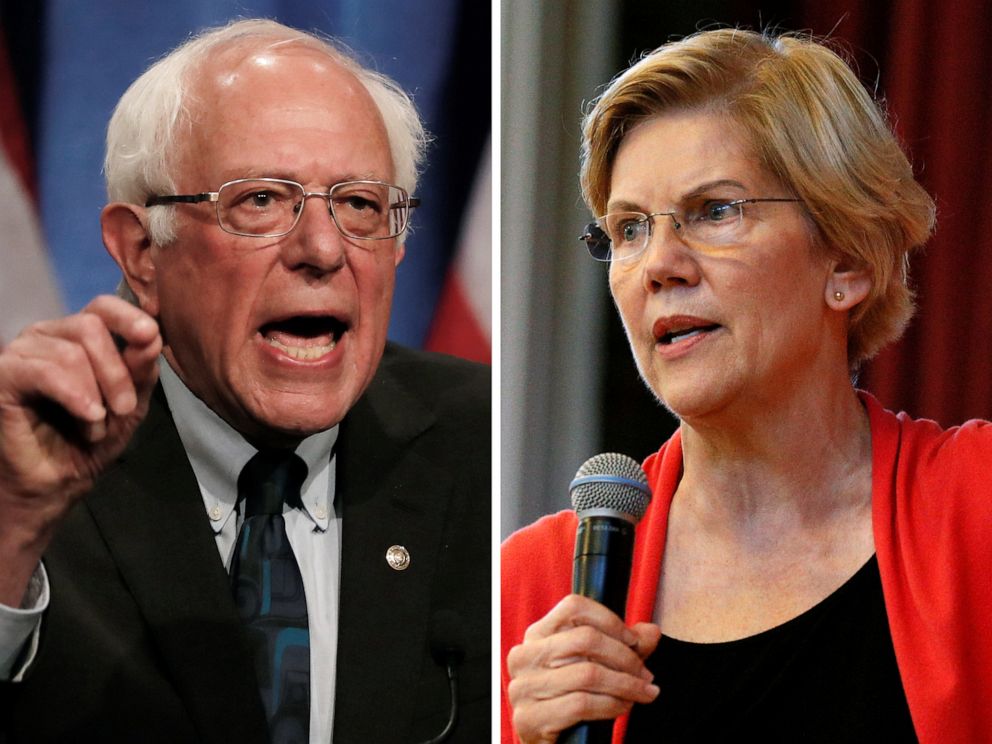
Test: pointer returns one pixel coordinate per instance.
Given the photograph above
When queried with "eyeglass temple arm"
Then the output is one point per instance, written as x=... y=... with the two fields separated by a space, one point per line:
x=411 y=203
x=594 y=234
x=154 y=201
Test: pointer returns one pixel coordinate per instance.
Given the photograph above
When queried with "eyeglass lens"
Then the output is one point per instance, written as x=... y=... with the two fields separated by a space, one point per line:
x=361 y=209
x=713 y=223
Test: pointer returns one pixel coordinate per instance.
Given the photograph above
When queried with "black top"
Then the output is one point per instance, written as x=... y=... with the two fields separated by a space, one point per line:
x=828 y=675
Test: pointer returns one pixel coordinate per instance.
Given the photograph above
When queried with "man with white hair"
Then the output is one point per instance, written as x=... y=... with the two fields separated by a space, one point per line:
x=229 y=510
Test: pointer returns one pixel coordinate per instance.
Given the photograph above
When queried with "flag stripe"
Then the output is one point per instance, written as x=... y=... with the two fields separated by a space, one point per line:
x=456 y=329
x=27 y=291
x=463 y=319
x=12 y=129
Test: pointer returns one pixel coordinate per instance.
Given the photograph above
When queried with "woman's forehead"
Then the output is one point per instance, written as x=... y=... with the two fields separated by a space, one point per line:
x=674 y=156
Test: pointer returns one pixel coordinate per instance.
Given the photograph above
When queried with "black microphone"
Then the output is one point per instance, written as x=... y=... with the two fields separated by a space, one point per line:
x=447 y=644
x=609 y=494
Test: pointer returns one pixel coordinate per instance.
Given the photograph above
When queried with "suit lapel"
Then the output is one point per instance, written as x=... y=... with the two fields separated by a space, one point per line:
x=391 y=495
x=151 y=515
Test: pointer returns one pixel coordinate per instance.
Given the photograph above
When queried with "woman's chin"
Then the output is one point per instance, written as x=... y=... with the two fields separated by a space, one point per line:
x=693 y=400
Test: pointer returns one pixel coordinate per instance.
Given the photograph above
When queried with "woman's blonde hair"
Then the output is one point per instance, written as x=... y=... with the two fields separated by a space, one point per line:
x=813 y=125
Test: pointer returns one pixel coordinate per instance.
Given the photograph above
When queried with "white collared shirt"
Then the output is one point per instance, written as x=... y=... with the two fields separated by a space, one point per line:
x=218 y=453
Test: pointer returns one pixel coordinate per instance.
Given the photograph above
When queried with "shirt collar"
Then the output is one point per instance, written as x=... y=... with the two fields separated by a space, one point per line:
x=217 y=453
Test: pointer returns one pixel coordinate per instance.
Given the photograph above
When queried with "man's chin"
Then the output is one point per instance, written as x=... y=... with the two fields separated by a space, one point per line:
x=287 y=424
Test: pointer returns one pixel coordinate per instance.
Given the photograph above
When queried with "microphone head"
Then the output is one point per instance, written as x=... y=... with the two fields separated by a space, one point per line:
x=610 y=484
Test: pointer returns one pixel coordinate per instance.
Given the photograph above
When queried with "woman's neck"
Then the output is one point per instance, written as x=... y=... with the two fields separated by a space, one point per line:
x=801 y=456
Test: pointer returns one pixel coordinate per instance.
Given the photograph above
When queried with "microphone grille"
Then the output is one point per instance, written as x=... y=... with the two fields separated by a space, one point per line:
x=611 y=482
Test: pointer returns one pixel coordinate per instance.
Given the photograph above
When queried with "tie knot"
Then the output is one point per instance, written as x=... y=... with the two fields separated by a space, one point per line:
x=269 y=479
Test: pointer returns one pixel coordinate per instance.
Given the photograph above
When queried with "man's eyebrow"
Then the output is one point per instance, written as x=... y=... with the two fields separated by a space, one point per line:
x=359 y=177
x=239 y=174
x=284 y=175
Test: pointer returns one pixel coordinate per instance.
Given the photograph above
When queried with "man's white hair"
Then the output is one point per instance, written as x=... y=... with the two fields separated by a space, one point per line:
x=142 y=133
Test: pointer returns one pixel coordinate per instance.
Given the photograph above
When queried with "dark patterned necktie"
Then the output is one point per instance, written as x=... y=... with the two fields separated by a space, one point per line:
x=268 y=590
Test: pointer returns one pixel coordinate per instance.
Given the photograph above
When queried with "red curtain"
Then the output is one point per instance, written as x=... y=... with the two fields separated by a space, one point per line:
x=935 y=61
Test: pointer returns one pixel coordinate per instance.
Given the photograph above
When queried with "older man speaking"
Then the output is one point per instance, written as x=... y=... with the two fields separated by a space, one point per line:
x=284 y=538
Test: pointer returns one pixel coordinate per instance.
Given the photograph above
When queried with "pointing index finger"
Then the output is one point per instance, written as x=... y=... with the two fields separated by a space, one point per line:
x=130 y=324
x=128 y=377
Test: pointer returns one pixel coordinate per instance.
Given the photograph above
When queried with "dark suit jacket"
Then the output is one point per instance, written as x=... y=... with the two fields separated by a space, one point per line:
x=142 y=643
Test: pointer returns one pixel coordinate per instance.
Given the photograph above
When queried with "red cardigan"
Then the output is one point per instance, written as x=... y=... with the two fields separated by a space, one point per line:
x=932 y=519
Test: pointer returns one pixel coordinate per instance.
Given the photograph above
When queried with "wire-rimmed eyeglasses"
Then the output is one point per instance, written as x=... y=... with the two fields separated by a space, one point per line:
x=621 y=236
x=271 y=207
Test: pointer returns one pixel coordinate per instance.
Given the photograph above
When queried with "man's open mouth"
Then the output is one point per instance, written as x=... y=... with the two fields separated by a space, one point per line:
x=304 y=337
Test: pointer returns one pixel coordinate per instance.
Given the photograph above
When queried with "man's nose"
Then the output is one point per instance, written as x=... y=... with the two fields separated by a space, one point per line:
x=316 y=241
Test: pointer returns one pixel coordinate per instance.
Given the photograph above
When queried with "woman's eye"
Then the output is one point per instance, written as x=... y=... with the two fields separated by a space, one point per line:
x=719 y=211
x=630 y=231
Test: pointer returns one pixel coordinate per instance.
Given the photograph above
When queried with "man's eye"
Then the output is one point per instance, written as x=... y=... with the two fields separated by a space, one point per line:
x=359 y=203
x=256 y=200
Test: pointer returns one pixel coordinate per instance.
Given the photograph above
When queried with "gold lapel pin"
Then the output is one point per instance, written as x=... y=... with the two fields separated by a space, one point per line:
x=398 y=558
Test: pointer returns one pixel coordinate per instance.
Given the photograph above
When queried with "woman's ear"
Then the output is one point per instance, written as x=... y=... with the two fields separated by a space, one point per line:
x=126 y=238
x=846 y=286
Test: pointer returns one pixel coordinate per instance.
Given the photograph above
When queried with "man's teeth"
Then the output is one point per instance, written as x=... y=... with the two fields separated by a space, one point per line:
x=303 y=353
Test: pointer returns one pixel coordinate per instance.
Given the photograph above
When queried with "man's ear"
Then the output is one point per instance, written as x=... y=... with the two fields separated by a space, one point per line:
x=126 y=238
x=847 y=285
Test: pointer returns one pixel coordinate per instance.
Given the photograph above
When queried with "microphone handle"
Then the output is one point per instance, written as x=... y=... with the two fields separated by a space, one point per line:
x=604 y=548
x=588 y=732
